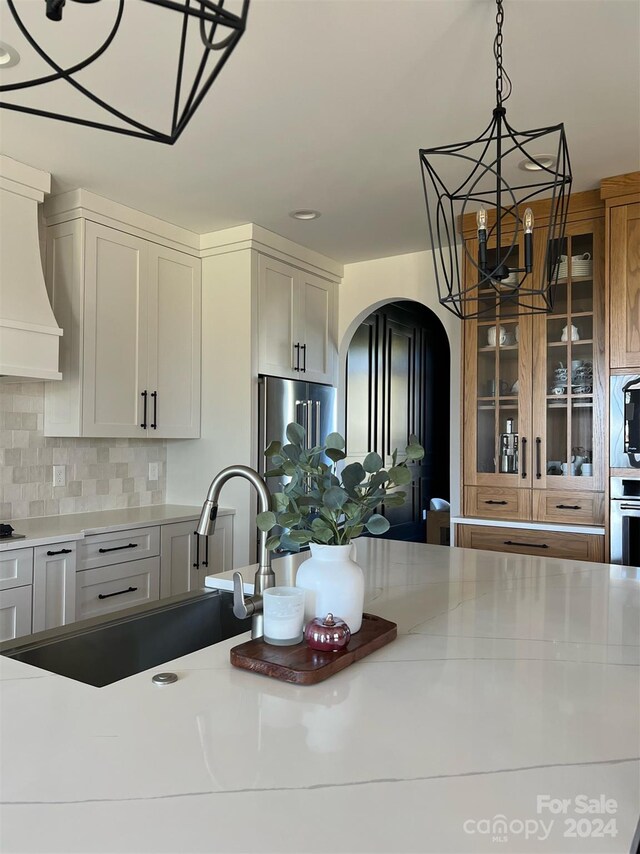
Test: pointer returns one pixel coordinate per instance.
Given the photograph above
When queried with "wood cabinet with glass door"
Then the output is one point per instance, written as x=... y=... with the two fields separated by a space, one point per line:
x=548 y=378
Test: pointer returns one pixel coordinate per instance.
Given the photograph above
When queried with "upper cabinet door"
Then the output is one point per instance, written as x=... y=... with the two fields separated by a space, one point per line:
x=624 y=285
x=315 y=328
x=115 y=333
x=174 y=331
x=278 y=354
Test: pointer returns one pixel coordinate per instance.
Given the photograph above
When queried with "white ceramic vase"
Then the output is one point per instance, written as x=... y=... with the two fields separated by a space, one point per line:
x=333 y=583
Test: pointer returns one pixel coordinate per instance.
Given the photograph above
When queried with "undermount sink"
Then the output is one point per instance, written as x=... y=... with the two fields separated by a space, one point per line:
x=100 y=652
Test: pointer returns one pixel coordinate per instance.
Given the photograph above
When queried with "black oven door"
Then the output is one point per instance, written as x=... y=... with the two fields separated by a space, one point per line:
x=631 y=392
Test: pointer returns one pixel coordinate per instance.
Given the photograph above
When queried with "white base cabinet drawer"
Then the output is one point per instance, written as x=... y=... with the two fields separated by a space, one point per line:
x=15 y=613
x=112 y=588
x=16 y=568
x=118 y=547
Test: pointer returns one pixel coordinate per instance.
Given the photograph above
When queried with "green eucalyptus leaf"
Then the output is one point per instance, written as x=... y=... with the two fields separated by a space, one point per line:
x=415 y=451
x=289 y=520
x=400 y=475
x=377 y=524
x=378 y=479
x=295 y=434
x=335 y=454
x=394 y=456
x=279 y=502
x=335 y=440
x=355 y=532
x=353 y=475
x=289 y=468
x=292 y=452
x=274 y=473
x=300 y=537
x=274 y=448
x=397 y=499
x=334 y=498
x=372 y=463
x=273 y=543
x=265 y=521
x=288 y=544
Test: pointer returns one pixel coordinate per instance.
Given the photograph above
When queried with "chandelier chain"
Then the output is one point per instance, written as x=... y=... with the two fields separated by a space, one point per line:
x=503 y=81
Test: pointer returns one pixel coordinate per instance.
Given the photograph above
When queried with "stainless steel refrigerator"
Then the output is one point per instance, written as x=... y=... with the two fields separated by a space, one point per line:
x=282 y=401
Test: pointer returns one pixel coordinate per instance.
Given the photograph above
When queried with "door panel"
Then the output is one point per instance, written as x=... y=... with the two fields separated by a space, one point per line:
x=276 y=293
x=314 y=330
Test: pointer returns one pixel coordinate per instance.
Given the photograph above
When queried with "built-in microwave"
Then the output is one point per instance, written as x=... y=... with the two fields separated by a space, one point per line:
x=625 y=421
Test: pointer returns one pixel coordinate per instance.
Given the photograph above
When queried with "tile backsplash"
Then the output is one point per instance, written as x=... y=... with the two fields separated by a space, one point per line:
x=101 y=474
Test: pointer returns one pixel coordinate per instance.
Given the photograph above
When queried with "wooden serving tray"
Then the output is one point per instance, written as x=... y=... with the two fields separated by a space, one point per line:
x=305 y=666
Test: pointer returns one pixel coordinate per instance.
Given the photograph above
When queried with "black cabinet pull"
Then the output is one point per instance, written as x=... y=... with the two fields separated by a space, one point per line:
x=538 y=465
x=61 y=552
x=303 y=347
x=568 y=507
x=118 y=548
x=524 y=458
x=491 y=501
x=296 y=348
x=154 y=424
x=117 y=593
x=527 y=545
x=143 y=394
x=197 y=563
x=205 y=562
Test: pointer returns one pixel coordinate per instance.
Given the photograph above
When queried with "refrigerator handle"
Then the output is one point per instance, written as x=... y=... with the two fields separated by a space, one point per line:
x=309 y=425
x=316 y=438
x=300 y=414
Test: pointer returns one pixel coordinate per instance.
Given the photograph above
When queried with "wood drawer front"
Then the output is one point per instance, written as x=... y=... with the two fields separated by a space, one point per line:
x=540 y=543
x=118 y=547
x=581 y=508
x=143 y=576
x=492 y=502
x=16 y=568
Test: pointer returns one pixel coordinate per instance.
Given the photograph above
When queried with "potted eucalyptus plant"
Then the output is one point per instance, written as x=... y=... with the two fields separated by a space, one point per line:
x=327 y=507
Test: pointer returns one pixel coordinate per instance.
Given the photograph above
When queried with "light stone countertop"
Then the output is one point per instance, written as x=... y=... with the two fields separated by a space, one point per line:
x=75 y=526
x=513 y=679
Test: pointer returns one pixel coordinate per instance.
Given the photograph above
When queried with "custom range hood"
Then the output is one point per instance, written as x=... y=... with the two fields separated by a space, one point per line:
x=29 y=334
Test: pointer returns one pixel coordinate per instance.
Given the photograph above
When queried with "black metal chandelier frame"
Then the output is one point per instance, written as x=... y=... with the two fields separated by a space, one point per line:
x=211 y=16
x=533 y=290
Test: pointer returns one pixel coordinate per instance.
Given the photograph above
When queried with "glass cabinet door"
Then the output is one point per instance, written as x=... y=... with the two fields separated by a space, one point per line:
x=497 y=345
x=568 y=399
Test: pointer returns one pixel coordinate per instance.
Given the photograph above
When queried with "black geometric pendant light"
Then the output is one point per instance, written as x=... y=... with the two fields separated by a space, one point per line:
x=220 y=32
x=497 y=176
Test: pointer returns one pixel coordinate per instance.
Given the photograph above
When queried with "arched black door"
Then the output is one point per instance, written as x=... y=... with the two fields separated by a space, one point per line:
x=398 y=382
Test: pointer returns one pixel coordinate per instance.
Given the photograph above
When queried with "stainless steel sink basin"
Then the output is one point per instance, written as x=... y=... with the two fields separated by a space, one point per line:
x=99 y=652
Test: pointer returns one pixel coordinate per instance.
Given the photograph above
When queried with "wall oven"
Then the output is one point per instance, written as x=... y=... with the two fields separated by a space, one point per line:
x=625 y=521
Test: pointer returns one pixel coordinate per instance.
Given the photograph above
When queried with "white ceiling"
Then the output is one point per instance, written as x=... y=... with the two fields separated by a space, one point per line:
x=324 y=105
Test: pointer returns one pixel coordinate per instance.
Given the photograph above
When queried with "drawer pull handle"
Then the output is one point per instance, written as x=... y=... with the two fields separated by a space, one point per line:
x=528 y=545
x=568 y=507
x=490 y=501
x=117 y=593
x=61 y=552
x=118 y=548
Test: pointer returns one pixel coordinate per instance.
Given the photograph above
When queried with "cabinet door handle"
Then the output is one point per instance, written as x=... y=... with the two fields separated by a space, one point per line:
x=119 y=548
x=528 y=545
x=154 y=424
x=491 y=501
x=144 y=416
x=117 y=593
x=197 y=562
x=296 y=348
x=61 y=552
x=303 y=347
x=524 y=458
x=568 y=507
x=538 y=465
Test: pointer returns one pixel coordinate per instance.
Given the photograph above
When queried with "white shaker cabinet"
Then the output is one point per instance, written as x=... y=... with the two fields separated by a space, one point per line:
x=296 y=323
x=16 y=576
x=187 y=559
x=130 y=356
x=54 y=586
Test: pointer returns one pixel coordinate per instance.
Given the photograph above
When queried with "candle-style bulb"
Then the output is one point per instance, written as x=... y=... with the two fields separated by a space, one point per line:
x=481 y=219
x=527 y=221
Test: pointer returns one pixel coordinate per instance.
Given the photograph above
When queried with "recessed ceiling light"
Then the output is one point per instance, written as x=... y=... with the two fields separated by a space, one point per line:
x=8 y=55
x=542 y=161
x=305 y=214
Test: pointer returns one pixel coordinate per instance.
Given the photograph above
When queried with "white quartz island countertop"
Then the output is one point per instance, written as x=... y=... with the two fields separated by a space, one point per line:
x=505 y=718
